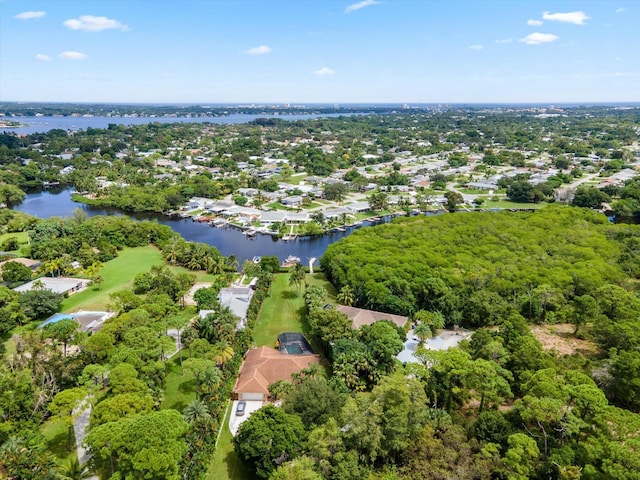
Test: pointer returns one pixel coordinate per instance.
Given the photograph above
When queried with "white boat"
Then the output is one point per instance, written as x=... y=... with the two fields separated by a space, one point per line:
x=290 y=261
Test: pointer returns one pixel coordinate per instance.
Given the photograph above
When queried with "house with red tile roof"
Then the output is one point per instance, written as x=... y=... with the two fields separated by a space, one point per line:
x=263 y=366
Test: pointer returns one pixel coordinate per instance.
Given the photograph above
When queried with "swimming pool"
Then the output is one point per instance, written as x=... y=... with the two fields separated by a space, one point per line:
x=56 y=317
x=85 y=319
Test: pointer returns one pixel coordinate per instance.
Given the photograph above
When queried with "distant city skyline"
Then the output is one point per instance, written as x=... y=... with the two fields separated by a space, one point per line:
x=369 y=51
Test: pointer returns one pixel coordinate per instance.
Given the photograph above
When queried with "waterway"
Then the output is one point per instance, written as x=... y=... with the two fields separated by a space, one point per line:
x=46 y=123
x=229 y=241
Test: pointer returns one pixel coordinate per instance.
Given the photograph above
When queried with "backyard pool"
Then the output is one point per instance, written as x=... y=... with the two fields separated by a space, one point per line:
x=87 y=320
x=56 y=317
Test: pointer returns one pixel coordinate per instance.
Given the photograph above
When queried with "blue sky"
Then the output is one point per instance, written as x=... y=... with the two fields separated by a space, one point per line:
x=298 y=51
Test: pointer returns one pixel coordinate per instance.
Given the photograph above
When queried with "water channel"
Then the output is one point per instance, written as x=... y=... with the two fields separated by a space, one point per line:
x=229 y=241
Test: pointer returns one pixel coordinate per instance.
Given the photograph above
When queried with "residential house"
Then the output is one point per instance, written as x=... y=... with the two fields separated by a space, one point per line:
x=293 y=201
x=263 y=366
x=360 y=316
x=237 y=300
x=269 y=218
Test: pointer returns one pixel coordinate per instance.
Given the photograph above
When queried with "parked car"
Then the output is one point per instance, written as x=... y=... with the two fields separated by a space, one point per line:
x=240 y=409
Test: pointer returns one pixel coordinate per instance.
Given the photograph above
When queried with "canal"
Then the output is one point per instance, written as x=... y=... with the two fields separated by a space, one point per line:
x=229 y=241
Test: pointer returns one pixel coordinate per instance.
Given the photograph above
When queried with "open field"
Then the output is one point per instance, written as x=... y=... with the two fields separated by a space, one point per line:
x=118 y=274
x=283 y=310
x=21 y=236
x=225 y=464
x=560 y=338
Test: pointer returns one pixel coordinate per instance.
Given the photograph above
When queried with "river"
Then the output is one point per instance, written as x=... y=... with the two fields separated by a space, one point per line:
x=229 y=241
x=46 y=123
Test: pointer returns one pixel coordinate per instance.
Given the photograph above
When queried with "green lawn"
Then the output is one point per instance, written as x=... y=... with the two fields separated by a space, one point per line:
x=22 y=241
x=118 y=275
x=180 y=389
x=21 y=236
x=225 y=464
x=55 y=433
x=311 y=205
x=283 y=310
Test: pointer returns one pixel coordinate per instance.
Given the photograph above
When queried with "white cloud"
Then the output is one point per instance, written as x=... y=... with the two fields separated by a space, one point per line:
x=357 y=6
x=261 y=50
x=505 y=40
x=476 y=47
x=534 y=23
x=577 y=18
x=41 y=57
x=324 y=71
x=29 y=15
x=90 y=23
x=538 y=38
x=622 y=74
x=620 y=10
x=73 y=56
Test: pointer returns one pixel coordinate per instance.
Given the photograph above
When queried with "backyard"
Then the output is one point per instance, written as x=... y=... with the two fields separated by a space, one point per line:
x=118 y=274
x=283 y=310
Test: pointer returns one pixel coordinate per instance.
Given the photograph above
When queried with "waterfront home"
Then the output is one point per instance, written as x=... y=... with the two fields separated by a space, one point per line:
x=336 y=212
x=358 y=207
x=298 y=217
x=199 y=203
x=269 y=218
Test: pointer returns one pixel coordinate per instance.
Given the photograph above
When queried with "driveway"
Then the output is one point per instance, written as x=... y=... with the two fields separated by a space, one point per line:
x=235 y=421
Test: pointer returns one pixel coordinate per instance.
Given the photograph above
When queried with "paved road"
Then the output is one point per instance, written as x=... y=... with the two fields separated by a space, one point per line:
x=81 y=429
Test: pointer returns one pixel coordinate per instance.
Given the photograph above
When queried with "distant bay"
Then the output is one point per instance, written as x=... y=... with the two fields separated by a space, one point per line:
x=45 y=123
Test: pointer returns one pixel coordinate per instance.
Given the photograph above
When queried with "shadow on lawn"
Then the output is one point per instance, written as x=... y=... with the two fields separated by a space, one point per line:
x=289 y=294
x=188 y=386
x=58 y=444
x=235 y=468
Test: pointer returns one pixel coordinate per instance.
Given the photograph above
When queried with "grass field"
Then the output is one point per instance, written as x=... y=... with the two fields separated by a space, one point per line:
x=225 y=464
x=118 y=274
x=283 y=310
x=22 y=241
x=180 y=389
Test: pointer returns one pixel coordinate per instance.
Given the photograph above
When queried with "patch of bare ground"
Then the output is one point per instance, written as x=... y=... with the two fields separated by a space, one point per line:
x=560 y=338
x=188 y=298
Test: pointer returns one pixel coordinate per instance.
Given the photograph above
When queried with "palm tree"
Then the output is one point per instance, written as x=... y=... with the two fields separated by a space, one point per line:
x=223 y=352
x=345 y=297
x=196 y=412
x=173 y=251
x=423 y=332
x=73 y=470
x=231 y=262
x=215 y=263
x=297 y=276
